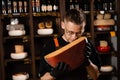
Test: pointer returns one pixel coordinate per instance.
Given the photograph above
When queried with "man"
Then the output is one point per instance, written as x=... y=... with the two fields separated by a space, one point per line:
x=73 y=25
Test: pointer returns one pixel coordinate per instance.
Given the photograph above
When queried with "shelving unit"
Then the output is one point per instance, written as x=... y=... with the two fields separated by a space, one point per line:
x=33 y=43
x=118 y=30
x=106 y=35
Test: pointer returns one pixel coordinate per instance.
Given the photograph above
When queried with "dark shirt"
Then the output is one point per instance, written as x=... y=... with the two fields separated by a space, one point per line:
x=77 y=74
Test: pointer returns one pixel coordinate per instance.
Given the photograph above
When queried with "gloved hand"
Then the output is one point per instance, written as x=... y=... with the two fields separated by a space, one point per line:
x=92 y=69
x=59 y=70
x=88 y=51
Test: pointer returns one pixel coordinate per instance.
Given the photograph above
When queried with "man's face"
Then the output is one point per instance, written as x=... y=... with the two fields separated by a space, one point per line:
x=72 y=31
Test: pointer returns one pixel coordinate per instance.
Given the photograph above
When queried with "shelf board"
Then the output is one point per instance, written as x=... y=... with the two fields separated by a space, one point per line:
x=15 y=37
x=52 y=35
x=47 y=14
x=15 y=60
x=107 y=73
x=14 y=15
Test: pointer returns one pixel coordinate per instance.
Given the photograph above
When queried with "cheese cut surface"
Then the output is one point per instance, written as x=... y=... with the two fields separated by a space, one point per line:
x=72 y=54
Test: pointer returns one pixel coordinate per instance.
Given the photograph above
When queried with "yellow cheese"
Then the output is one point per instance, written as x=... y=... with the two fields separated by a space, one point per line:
x=103 y=43
x=104 y=22
x=112 y=33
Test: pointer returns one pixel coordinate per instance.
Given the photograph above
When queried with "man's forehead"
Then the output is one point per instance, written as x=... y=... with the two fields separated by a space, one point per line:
x=68 y=22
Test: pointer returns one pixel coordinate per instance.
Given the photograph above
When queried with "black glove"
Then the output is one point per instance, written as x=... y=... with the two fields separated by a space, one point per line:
x=88 y=52
x=59 y=70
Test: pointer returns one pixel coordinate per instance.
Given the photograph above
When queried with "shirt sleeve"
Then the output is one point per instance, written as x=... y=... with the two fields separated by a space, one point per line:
x=94 y=56
x=47 y=48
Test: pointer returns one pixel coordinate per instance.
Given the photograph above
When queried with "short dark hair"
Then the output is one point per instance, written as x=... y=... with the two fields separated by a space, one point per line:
x=75 y=16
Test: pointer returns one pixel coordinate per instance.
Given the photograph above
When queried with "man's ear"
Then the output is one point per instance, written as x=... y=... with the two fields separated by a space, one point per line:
x=63 y=25
x=84 y=23
x=83 y=26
